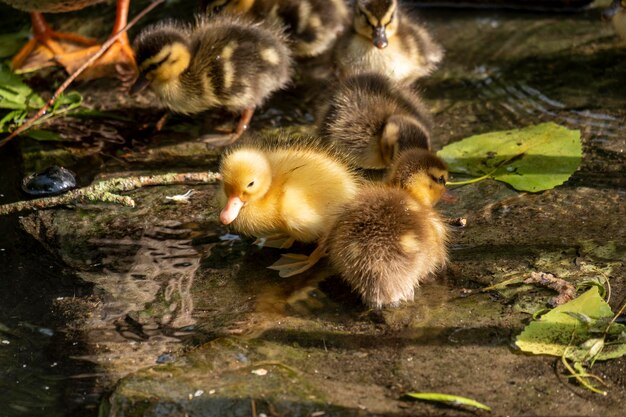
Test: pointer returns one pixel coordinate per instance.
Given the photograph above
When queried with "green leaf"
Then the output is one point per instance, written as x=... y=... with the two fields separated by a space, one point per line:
x=12 y=118
x=534 y=158
x=44 y=135
x=10 y=43
x=91 y=113
x=15 y=94
x=447 y=398
x=561 y=333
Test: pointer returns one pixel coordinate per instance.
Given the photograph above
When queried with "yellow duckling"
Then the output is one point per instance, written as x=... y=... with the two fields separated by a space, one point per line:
x=616 y=14
x=223 y=61
x=312 y=26
x=384 y=39
x=390 y=238
x=371 y=118
x=291 y=190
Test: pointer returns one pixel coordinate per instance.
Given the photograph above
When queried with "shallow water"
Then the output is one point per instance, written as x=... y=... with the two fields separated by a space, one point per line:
x=117 y=291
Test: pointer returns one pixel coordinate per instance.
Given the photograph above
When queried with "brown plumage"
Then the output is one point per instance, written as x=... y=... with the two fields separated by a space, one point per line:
x=312 y=26
x=372 y=118
x=384 y=39
x=390 y=237
x=51 y=6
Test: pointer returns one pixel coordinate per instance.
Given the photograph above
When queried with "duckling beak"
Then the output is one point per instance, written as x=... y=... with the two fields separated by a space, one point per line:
x=231 y=210
x=140 y=84
x=608 y=14
x=380 y=38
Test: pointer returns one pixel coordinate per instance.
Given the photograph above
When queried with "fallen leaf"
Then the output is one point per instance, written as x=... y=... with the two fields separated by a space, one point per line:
x=447 y=398
x=561 y=331
x=534 y=158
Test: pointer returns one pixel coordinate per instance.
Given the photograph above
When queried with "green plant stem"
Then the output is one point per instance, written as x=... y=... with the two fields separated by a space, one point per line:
x=472 y=181
x=579 y=377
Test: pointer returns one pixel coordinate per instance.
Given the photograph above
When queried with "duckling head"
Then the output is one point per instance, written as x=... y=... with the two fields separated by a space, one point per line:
x=162 y=54
x=422 y=173
x=401 y=132
x=246 y=177
x=376 y=20
x=616 y=14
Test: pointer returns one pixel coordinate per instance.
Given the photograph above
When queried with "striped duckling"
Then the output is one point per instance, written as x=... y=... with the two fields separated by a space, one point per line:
x=220 y=62
x=372 y=118
x=385 y=40
x=312 y=26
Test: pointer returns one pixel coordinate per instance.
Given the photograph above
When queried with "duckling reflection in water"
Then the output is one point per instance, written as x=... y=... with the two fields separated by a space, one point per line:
x=390 y=238
x=312 y=26
x=384 y=39
x=616 y=14
x=283 y=194
x=220 y=62
x=372 y=118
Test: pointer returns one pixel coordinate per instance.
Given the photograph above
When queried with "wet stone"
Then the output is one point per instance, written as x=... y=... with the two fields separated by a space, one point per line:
x=52 y=181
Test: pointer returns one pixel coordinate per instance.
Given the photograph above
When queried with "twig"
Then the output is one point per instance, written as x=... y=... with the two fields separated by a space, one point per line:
x=106 y=191
x=253 y=406
x=565 y=289
x=619 y=313
x=105 y=46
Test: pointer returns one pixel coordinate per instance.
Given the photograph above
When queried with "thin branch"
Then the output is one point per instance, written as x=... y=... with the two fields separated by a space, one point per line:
x=105 y=46
x=106 y=191
x=566 y=290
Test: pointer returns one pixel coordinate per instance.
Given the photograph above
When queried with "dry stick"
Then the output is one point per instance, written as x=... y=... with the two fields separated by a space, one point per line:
x=565 y=289
x=105 y=191
x=105 y=46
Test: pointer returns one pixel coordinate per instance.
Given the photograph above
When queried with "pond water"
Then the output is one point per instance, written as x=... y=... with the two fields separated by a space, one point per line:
x=91 y=295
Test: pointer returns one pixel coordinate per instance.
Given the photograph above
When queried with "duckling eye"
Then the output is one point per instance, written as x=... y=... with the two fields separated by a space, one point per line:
x=251 y=184
x=441 y=180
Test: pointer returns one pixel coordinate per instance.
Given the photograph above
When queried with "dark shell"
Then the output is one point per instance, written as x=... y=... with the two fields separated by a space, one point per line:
x=54 y=180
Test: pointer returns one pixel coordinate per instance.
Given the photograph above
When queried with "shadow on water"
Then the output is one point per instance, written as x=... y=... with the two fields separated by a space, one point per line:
x=40 y=375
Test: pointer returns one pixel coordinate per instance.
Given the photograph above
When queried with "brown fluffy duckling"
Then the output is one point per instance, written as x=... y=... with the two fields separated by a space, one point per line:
x=293 y=190
x=384 y=39
x=372 y=118
x=390 y=238
x=312 y=26
x=220 y=62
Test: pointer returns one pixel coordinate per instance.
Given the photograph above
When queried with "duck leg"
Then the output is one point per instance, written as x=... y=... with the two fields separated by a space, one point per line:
x=118 y=60
x=291 y=264
x=40 y=51
x=229 y=139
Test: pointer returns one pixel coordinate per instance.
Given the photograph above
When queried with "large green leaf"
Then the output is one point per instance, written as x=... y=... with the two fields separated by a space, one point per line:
x=534 y=158
x=575 y=329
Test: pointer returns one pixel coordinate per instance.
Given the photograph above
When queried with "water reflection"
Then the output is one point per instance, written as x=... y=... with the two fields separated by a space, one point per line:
x=145 y=286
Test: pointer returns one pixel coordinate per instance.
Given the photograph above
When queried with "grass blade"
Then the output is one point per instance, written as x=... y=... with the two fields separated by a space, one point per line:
x=447 y=398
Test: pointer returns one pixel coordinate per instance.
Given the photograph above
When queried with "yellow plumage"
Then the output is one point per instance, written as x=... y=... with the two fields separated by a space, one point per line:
x=293 y=190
